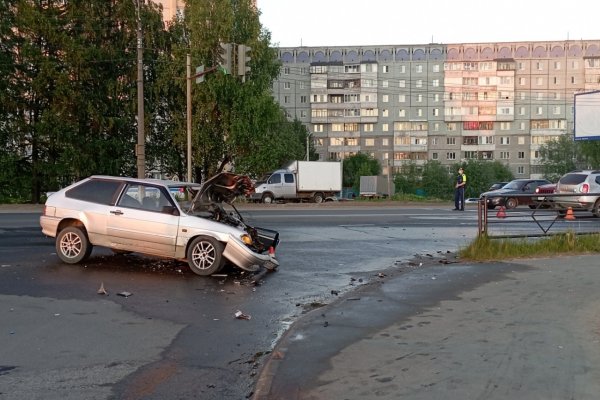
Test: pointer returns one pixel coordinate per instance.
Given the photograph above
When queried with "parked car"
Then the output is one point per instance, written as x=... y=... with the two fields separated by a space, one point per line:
x=542 y=200
x=579 y=183
x=506 y=195
x=179 y=220
x=497 y=185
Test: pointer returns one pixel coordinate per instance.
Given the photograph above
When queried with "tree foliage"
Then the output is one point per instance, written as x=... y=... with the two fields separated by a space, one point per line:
x=358 y=165
x=68 y=93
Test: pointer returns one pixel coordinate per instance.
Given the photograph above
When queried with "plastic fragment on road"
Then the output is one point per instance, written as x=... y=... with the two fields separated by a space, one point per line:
x=240 y=315
x=125 y=294
x=101 y=290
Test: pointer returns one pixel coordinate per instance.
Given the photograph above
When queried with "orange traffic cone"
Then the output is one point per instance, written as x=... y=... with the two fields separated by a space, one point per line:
x=501 y=212
x=569 y=216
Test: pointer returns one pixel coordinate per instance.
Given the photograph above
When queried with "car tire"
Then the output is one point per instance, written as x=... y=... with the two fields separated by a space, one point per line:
x=267 y=198
x=596 y=209
x=511 y=203
x=318 y=198
x=205 y=255
x=73 y=245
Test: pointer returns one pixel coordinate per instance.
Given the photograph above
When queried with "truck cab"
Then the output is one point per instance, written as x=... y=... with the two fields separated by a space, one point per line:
x=280 y=184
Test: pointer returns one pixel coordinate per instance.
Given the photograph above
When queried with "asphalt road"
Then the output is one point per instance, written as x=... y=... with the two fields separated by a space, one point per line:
x=175 y=336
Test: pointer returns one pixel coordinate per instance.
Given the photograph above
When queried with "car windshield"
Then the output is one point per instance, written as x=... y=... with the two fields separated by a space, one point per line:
x=514 y=185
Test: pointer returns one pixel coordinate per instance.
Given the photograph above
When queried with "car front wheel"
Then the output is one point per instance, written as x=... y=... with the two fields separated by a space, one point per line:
x=205 y=255
x=72 y=245
x=511 y=203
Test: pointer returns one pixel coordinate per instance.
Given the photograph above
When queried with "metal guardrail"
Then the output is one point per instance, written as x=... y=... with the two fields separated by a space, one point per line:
x=542 y=218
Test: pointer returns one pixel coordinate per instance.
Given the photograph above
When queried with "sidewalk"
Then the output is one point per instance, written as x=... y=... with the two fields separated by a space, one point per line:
x=528 y=329
x=21 y=208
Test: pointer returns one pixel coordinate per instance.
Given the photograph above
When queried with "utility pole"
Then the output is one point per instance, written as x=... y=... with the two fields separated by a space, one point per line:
x=189 y=116
x=140 y=150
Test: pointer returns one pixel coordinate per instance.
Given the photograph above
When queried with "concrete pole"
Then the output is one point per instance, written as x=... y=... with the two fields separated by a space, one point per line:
x=141 y=141
x=189 y=117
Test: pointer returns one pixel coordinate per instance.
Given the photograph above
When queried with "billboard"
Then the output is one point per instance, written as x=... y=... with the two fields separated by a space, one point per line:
x=587 y=116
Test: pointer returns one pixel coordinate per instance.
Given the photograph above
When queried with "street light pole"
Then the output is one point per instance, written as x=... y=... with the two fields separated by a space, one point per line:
x=189 y=116
x=140 y=148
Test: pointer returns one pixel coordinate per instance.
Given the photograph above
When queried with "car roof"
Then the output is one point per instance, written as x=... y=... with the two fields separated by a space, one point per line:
x=162 y=182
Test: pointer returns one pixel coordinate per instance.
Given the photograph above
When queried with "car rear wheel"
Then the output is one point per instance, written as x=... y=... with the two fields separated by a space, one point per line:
x=596 y=209
x=72 y=245
x=318 y=198
x=511 y=203
x=205 y=255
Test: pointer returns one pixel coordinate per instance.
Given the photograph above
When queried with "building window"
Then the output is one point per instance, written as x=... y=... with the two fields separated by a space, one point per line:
x=522 y=81
x=573 y=80
x=504 y=155
x=385 y=127
x=451 y=156
x=556 y=110
x=318 y=128
x=402 y=83
x=505 y=126
x=369 y=142
x=539 y=110
x=539 y=81
x=419 y=98
x=435 y=112
x=402 y=113
x=385 y=98
x=368 y=127
x=450 y=140
x=385 y=69
x=419 y=112
x=286 y=70
x=505 y=140
x=303 y=113
x=521 y=155
x=419 y=68
x=521 y=170
x=385 y=84
x=419 y=83
x=434 y=156
x=403 y=69
x=435 y=68
x=303 y=99
x=287 y=85
x=385 y=112
x=286 y=99
x=401 y=98
x=556 y=65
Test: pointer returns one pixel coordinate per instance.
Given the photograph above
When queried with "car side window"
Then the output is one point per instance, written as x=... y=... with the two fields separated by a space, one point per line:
x=289 y=178
x=598 y=180
x=95 y=191
x=275 y=178
x=144 y=197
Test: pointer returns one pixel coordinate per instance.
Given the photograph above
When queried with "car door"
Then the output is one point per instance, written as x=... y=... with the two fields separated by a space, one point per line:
x=138 y=222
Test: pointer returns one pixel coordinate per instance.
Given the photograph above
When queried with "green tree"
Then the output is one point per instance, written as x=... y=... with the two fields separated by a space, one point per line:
x=560 y=156
x=481 y=174
x=409 y=178
x=436 y=181
x=358 y=165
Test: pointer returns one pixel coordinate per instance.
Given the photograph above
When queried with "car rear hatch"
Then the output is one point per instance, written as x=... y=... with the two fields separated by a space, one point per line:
x=570 y=183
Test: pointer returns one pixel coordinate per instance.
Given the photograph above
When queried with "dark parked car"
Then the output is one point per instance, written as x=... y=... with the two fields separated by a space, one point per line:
x=506 y=196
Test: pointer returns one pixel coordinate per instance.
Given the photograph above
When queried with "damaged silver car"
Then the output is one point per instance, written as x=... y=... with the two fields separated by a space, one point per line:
x=184 y=221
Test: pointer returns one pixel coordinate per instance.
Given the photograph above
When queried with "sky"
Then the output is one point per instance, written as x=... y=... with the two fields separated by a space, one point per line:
x=294 y=23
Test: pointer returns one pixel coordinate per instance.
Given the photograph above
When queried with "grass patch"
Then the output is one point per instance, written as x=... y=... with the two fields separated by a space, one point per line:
x=485 y=249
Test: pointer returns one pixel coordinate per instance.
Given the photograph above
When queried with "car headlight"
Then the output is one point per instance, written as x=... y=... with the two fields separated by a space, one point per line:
x=246 y=239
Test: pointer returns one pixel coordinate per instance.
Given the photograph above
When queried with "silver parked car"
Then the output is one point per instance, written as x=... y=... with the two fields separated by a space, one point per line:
x=580 y=183
x=178 y=220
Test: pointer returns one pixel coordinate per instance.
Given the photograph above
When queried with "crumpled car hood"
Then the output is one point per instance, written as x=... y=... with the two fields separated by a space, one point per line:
x=222 y=188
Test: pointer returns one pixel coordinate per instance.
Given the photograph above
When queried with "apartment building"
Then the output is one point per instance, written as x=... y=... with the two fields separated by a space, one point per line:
x=452 y=102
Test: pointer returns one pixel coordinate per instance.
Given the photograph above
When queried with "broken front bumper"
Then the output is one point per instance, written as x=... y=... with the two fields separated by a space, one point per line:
x=248 y=260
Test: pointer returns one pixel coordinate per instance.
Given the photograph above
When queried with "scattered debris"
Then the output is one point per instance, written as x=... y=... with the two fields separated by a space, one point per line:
x=353 y=298
x=102 y=291
x=219 y=275
x=381 y=275
x=335 y=292
x=125 y=294
x=240 y=315
x=325 y=324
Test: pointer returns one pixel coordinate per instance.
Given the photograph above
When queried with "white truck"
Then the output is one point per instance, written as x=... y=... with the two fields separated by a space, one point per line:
x=375 y=186
x=316 y=181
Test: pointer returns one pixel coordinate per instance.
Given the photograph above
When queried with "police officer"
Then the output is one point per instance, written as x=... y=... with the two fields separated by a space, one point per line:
x=459 y=191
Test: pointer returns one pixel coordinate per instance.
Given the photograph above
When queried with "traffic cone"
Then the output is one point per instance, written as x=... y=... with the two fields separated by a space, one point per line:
x=272 y=251
x=501 y=212
x=569 y=216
